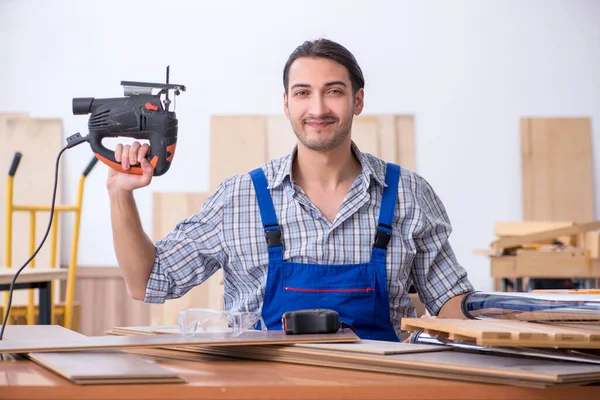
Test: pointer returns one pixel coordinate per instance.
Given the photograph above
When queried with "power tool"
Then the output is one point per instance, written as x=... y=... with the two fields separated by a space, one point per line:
x=140 y=115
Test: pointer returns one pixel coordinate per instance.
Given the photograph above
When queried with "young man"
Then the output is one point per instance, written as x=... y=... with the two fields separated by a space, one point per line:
x=323 y=227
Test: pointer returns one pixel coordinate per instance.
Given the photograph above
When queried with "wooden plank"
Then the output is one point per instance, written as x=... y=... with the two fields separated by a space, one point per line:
x=561 y=264
x=557 y=169
x=148 y=341
x=374 y=347
x=238 y=144
x=449 y=365
x=281 y=138
x=507 y=333
x=365 y=134
x=105 y=367
x=168 y=210
x=39 y=332
x=504 y=229
x=82 y=368
x=516 y=241
x=506 y=267
x=386 y=129
x=592 y=243
x=405 y=140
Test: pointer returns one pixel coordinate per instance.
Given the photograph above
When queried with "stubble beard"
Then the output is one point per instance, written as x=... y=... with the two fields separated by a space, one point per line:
x=323 y=144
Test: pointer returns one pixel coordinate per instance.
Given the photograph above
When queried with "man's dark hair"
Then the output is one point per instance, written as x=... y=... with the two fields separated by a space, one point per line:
x=324 y=48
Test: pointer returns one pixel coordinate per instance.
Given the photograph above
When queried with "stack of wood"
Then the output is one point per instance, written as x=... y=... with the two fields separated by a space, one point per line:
x=439 y=361
x=545 y=250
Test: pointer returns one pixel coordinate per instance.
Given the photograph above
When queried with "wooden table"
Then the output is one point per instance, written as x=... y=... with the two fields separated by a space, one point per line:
x=31 y=278
x=238 y=379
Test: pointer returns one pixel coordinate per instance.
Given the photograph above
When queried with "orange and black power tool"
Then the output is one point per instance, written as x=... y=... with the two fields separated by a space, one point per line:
x=140 y=115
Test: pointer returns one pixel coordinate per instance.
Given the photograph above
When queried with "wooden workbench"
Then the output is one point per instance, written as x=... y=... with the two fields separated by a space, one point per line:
x=220 y=378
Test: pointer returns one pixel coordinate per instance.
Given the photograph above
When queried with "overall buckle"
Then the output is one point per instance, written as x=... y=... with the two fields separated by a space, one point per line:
x=382 y=238
x=273 y=236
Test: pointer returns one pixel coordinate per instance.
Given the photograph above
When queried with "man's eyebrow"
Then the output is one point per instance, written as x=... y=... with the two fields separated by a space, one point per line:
x=336 y=83
x=331 y=83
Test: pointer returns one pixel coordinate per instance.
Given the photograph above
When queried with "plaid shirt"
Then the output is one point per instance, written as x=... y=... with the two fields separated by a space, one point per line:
x=228 y=233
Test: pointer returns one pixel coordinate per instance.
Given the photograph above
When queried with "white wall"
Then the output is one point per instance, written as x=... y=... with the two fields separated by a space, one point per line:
x=468 y=70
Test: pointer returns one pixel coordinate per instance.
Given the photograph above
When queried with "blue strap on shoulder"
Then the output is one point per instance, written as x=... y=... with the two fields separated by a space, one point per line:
x=388 y=205
x=267 y=210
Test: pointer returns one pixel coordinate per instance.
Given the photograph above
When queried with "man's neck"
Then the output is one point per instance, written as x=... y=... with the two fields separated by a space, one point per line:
x=325 y=170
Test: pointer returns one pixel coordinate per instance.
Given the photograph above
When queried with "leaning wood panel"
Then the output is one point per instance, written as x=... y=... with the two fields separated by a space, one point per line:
x=557 y=169
x=238 y=144
x=168 y=210
x=365 y=134
x=405 y=140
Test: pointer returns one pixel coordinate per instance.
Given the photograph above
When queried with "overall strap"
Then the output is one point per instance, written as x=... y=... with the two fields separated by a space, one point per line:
x=388 y=204
x=267 y=210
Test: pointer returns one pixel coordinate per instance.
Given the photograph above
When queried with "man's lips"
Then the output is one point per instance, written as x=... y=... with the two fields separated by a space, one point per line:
x=319 y=124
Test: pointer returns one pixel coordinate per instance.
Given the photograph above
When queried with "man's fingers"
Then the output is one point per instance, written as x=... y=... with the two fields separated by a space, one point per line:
x=125 y=157
x=143 y=151
x=133 y=153
x=147 y=172
x=118 y=152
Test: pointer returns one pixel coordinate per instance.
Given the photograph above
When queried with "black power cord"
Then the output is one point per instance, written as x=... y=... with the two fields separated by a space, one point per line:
x=72 y=141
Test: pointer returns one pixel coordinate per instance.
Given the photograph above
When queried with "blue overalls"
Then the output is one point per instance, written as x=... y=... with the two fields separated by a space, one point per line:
x=358 y=292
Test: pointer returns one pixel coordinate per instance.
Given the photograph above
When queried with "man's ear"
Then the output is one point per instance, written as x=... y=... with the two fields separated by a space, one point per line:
x=359 y=101
x=286 y=109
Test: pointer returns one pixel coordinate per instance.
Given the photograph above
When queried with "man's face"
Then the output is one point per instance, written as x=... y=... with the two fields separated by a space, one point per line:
x=320 y=104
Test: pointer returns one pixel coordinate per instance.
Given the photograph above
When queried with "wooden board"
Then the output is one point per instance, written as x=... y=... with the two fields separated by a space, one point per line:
x=507 y=267
x=374 y=347
x=105 y=367
x=238 y=144
x=504 y=229
x=149 y=341
x=505 y=333
x=447 y=365
x=39 y=140
x=557 y=169
x=89 y=367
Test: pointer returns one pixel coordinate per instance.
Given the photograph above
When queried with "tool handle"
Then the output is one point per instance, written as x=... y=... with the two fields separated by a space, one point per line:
x=15 y=163
x=107 y=156
x=90 y=166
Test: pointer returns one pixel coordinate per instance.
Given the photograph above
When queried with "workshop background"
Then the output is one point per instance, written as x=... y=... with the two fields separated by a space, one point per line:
x=466 y=71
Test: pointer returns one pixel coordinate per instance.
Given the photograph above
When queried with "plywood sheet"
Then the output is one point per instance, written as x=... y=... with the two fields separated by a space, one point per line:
x=104 y=367
x=238 y=144
x=557 y=169
x=505 y=333
x=448 y=365
x=168 y=210
x=281 y=138
x=374 y=347
x=405 y=140
x=149 y=341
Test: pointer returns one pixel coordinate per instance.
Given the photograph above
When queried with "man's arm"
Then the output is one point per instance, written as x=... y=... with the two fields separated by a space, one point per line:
x=134 y=250
x=452 y=308
x=438 y=277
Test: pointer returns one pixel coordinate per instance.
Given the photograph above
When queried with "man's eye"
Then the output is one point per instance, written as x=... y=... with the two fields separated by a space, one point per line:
x=335 y=91
x=300 y=93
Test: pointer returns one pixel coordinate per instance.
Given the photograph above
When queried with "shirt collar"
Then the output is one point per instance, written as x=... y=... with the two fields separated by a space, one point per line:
x=371 y=168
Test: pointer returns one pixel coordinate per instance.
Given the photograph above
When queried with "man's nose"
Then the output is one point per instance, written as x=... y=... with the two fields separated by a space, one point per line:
x=318 y=107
